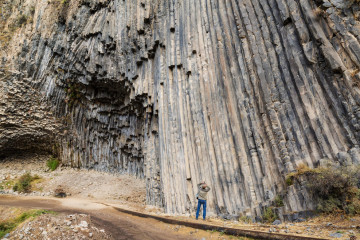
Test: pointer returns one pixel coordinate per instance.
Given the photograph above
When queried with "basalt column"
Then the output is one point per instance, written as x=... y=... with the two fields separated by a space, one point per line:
x=234 y=92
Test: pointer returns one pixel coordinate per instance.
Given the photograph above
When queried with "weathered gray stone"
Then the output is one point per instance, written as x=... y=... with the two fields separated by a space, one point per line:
x=336 y=235
x=327 y=4
x=342 y=3
x=344 y=158
x=276 y=222
x=236 y=93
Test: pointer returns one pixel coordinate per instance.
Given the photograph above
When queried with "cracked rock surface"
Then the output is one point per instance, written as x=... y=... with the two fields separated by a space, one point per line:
x=236 y=93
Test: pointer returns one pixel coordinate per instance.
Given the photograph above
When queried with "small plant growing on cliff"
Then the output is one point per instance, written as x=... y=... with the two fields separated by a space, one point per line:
x=301 y=170
x=269 y=215
x=52 y=163
x=63 y=6
x=24 y=182
x=334 y=189
x=278 y=201
x=245 y=219
x=73 y=94
x=32 y=10
x=21 y=20
x=18 y=23
x=289 y=181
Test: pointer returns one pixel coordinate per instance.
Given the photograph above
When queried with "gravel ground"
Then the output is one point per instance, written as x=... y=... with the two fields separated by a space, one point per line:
x=128 y=192
x=78 y=183
x=64 y=227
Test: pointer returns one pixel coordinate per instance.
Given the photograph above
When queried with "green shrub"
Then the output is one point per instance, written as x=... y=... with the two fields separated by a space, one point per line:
x=301 y=170
x=333 y=189
x=289 y=181
x=32 y=10
x=353 y=207
x=245 y=219
x=24 y=182
x=329 y=205
x=73 y=94
x=18 y=23
x=8 y=226
x=269 y=215
x=21 y=20
x=52 y=163
x=278 y=201
x=7 y=184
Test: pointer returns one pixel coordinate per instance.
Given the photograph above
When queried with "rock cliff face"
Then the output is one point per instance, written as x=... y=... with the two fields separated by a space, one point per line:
x=234 y=92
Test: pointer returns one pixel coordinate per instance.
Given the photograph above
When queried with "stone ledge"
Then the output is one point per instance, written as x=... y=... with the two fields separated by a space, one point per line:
x=226 y=230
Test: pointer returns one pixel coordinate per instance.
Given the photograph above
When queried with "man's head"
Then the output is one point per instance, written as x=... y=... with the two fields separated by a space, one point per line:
x=204 y=185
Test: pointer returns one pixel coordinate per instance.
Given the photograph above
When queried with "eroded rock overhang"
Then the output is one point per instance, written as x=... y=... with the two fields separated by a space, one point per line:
x=238 y=93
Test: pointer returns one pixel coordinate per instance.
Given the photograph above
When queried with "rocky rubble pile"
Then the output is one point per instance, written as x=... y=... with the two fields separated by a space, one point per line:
x=71 y=227
x=34 y=193
x=91 y=184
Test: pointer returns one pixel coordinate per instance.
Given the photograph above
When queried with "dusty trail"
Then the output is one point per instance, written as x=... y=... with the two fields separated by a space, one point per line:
x=122 y=225
x=119 y=225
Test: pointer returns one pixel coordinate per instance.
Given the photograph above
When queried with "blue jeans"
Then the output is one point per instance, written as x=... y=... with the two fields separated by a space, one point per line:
x=201 y=202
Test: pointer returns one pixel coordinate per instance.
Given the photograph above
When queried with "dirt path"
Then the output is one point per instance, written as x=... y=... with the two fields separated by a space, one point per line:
x=119 y=225
x=87 y=192
x=98 y=193
x=79 y=183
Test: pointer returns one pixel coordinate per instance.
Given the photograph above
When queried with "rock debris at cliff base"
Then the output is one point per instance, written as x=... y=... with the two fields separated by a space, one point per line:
x=123 y=190
x=238 y=93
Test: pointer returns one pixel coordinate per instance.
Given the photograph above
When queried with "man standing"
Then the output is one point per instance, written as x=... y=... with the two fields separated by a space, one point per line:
x=201 y=196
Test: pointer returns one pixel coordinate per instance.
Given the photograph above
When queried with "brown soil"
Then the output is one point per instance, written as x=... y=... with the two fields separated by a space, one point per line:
x=117 y=224
x=79 y=183
x=93 y=192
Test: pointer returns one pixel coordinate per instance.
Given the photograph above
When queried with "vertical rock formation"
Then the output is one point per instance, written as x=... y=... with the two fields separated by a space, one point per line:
x=235 y=92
